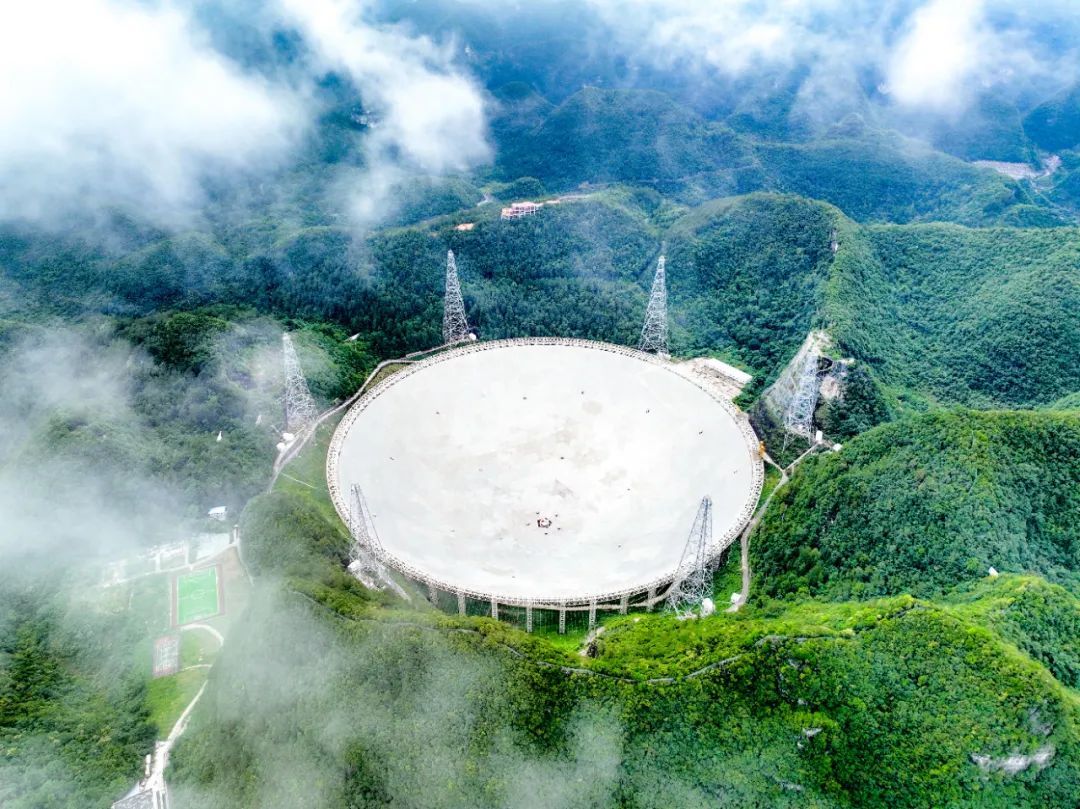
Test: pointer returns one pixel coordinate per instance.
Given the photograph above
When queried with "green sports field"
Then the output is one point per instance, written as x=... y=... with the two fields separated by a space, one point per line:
x=197 y=595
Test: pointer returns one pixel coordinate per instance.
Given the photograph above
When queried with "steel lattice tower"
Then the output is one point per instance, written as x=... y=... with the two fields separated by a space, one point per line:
x=654 y=333
x=359 y=519
x=455 y=327
x=792 y=398
x=300 y=408
x=693 y=579
x=363 y=563
x=799 y=416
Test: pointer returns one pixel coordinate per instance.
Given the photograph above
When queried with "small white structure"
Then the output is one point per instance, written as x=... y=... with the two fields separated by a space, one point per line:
x=993 y=573
x=520 y=209
x=723 y=369
x=726 y=379
x=218 y=513
x=207 y=546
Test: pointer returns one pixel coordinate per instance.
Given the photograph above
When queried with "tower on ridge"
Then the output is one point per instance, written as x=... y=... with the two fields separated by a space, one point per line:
x=693 y=579
x=455 y=328
x=300 y=407
x=654 y=334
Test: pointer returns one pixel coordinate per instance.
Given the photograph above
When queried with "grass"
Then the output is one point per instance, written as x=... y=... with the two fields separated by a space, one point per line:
x=728 y=576
x=659 y=645
x=771 y=481
x=167 y=697
x=197 y=646
x=149 y=604
x=305 y=475
x=197 y=595
x=573 y=639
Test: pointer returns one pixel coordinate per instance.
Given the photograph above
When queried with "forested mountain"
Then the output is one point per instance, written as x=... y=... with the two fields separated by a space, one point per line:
x=1055 y=124
x=958 y=316
x=243 y=170
x=926 y=503
x=645 y=137
x=632 y=136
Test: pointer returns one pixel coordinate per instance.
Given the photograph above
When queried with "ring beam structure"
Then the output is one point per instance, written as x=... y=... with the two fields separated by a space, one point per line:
x=544 y=472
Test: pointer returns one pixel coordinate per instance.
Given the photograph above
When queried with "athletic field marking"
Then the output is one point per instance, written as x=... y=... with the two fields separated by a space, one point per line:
x=197 y=596
x=166 y=655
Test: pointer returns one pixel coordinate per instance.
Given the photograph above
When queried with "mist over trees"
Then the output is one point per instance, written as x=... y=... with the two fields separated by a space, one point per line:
x=180 y=184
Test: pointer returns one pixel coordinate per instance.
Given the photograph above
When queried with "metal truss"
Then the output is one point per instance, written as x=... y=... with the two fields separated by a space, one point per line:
x=655 y=588
x=455 y=328
x=799 y=415
x=693 y=578
x=363 y=562
x=793 y=397
x=300 y=408
x=654 y=333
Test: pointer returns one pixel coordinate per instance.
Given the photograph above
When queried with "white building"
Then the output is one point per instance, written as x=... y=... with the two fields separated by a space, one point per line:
x=520 y=209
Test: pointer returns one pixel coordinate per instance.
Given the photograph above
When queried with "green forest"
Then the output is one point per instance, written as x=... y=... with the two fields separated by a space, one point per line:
x=921 y=506
x=800 y=692
x=928 y=502
x=912 y=633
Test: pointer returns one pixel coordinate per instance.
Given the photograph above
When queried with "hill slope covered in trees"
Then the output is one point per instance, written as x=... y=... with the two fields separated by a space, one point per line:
x=840 y=705
x=980 y=317
x=927 y=503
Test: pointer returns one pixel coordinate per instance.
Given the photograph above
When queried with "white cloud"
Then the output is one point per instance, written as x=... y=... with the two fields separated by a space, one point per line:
x=933 y=55
x=120 y=103
x=105 y=102
x=430 y=116
x=732 y=36
x=944 y=47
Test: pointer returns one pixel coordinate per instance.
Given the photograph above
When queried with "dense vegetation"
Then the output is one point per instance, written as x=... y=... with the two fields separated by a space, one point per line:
x=975 y=317
x=631 y=136
x=74 y=724
x=876 y=664
x=920 y=505
x=881 y=177
x=647 y=138
x=326 y=695
x=1055 y=124
x=741 y=292
x=1041 y=618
